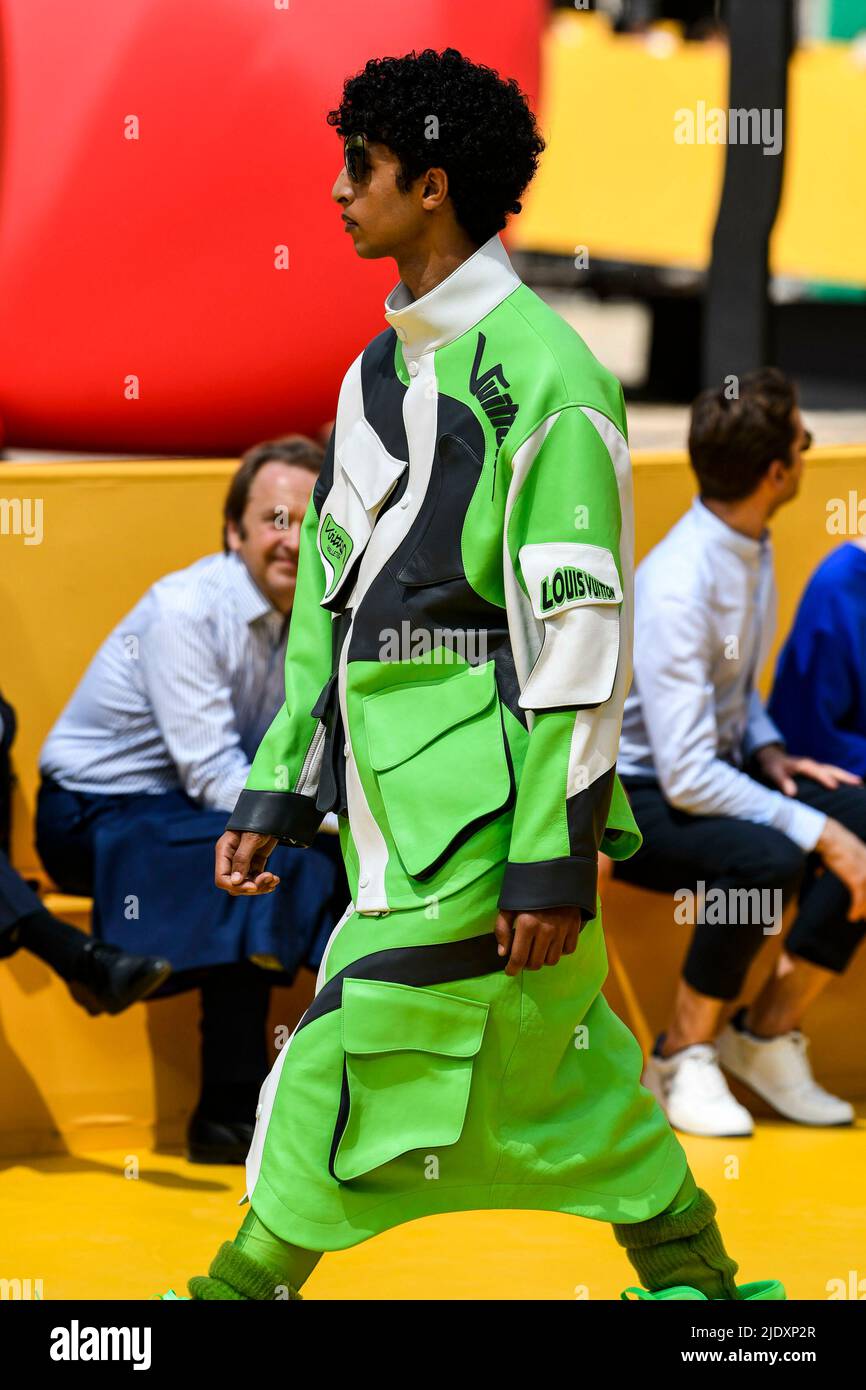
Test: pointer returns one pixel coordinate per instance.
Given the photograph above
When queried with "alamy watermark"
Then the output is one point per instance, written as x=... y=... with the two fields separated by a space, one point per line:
x=713 y=125
x=22 y=516
x=729 y=907
x=77 y=1343
x=433 y=646
x=846 y=516
x=22 y=1290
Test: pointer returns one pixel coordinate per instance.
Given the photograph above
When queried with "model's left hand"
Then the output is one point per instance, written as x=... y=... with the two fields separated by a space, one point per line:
x=535 y=939
x=781 y=769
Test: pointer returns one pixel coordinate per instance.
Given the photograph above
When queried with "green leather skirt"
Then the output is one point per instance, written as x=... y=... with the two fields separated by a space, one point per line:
x=423 y=1079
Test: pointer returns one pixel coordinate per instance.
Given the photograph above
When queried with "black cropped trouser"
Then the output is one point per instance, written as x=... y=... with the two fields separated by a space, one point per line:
x=681 y=852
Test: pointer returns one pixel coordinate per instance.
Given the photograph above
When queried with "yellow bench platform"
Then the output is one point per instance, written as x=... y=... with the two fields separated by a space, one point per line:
x=71 y=1082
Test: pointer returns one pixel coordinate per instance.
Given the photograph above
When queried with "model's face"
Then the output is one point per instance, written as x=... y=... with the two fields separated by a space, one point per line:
x=269 y=536
x=377 y=216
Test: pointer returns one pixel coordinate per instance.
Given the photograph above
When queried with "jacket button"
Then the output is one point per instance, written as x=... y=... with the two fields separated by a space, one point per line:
x=405 y=500
x=346 y=750
x=413 y=368
x=363 y=882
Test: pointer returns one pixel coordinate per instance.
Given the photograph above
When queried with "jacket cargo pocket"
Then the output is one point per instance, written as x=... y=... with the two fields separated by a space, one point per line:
x=440 y=757
x=365 y=476
x=408 y=1070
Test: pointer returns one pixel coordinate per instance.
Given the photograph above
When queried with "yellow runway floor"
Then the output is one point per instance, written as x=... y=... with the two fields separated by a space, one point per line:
x=792 y=1205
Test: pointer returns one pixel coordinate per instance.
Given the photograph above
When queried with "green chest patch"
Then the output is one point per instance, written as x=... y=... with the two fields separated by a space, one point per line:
x=336 y=545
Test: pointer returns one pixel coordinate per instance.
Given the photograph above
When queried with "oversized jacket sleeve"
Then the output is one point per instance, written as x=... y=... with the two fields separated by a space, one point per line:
x=568 y=560
x=279 y=798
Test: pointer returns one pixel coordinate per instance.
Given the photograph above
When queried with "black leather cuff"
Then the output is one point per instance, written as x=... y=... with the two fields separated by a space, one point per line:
x=287 y=816
x=570 y=882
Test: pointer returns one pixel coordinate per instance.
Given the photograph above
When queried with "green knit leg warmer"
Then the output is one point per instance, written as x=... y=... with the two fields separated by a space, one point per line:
x=233 y=1275
x=681 y=1247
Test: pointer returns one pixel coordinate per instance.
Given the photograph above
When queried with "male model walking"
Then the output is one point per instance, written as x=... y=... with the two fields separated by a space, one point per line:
x=455 y=678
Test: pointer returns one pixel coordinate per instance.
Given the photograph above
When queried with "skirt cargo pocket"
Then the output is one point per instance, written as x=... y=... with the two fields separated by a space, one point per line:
x=439 y=754
x=408 y=1069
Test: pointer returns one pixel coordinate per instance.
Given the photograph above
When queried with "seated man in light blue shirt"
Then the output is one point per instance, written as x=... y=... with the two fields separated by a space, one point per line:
x=150 y=754
x=733 y=824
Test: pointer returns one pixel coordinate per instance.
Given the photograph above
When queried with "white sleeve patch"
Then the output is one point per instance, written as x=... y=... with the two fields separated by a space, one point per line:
x=576 y=592
x=565 y=574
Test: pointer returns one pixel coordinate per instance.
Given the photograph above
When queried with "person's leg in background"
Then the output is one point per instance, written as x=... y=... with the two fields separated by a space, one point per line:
x=756 y=857
x=680 y=852
x=100 y=978
x=26 y=925
x=763 y=1045
x=234 y=1061
x=822 y=940
x=96 y=843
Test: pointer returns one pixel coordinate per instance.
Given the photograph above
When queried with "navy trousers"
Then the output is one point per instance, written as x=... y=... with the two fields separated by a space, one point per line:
x=147 y=862
x=17 y=900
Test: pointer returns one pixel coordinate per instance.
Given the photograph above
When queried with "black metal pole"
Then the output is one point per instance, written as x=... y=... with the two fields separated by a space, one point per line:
x=736 y=323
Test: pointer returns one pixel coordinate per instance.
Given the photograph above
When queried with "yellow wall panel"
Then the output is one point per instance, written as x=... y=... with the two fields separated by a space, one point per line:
x=110 y=530
x=614 y=179
x=820 y=232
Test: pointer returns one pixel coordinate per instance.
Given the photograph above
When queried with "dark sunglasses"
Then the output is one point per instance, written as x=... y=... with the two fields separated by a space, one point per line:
x=357 y=158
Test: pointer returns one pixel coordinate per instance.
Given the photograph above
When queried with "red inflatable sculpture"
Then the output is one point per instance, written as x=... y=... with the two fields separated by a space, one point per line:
x=174 y=277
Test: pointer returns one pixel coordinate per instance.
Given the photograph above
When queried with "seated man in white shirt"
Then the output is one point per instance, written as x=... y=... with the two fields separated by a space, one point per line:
x=734 y=824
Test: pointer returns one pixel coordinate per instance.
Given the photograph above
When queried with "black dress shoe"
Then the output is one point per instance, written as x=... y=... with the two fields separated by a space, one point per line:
x=218 y=1141
x=109 y=979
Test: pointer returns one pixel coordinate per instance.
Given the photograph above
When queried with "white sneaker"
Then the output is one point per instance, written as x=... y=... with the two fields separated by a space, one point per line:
x=694 y=1094
x=778 y=1070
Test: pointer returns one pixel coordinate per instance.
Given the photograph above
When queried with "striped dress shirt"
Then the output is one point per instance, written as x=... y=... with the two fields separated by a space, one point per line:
x=180 y=694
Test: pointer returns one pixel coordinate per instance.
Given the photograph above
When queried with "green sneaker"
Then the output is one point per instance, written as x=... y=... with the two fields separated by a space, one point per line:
x=767 y=1289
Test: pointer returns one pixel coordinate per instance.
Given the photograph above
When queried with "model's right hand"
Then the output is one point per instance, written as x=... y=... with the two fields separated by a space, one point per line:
x=533 y=939
x=845 y=855
x=240 y=863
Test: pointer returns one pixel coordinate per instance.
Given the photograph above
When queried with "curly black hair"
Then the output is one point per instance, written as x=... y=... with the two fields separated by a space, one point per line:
x=484 y=134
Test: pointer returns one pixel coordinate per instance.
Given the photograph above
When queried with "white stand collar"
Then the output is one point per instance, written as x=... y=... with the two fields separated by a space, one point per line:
x=456 y=304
